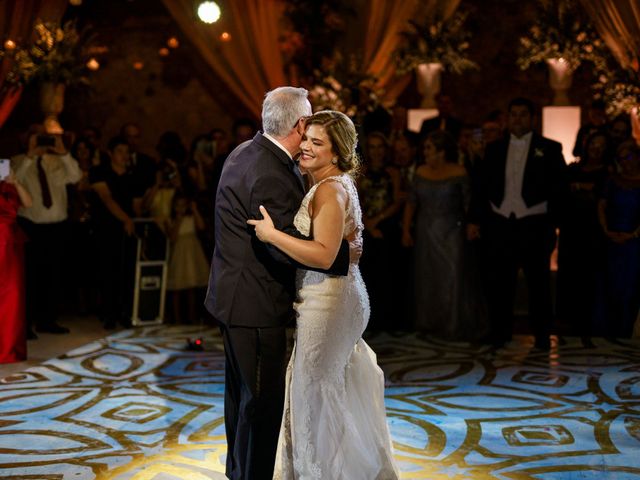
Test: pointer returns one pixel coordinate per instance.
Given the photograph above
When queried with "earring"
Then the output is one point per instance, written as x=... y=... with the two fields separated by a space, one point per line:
x=334 y=161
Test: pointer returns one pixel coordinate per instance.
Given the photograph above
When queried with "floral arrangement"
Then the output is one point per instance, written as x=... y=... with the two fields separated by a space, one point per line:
x=560 y=31
x=437 y=41
x=619 y=89
x=344 y=88
x=307 y=45
x=54 y=56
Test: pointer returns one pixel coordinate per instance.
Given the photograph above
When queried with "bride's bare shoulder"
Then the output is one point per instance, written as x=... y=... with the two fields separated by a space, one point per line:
x=331 y=190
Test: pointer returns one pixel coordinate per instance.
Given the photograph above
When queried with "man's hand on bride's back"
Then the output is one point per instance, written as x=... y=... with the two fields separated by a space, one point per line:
x=355 y=247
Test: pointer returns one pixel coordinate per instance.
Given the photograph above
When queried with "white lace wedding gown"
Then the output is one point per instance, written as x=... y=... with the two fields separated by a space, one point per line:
x=334 y=424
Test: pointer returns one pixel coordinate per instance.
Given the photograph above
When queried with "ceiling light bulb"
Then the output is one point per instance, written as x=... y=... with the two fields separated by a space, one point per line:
x=209 y=12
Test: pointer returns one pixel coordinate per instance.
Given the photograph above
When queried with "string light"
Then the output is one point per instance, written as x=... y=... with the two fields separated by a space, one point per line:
x=209 y=12
x=173 y=42
x=163 y=52
x=9 y=45
x=138 y=65
x=225 y=36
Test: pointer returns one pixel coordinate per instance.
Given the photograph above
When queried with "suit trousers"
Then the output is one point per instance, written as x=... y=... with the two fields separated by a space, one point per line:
x=43 y=270
x=511 y=244
x=116 y=274
x=256 y=362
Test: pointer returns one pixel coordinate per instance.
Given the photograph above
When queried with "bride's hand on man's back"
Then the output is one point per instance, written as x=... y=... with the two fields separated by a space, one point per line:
x=264 y=228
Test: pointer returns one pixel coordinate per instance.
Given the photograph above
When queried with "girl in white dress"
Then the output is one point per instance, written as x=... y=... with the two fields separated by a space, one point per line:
x=188 y=268
x=334 y=424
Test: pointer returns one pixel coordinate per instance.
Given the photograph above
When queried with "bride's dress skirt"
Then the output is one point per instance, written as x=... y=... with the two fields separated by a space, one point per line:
x=334 y=426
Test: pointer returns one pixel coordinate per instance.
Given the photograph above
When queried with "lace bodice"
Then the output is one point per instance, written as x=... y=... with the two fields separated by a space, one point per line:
x=353 y=217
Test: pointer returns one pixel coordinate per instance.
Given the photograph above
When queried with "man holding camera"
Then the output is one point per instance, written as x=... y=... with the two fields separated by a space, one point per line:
x=45 y=171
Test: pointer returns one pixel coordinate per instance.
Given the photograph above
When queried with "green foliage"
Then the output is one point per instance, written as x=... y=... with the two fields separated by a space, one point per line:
x=619 y=88
x=561 y=31
x=53 y=56
x=344 y=85
x=437 y=41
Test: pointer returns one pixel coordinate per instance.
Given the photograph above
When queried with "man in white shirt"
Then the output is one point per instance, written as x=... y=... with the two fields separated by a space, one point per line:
x=519 y=188
x=45 y=171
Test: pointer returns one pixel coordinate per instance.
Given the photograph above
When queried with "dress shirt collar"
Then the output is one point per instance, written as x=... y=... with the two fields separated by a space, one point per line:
x=278 y=144
x=523 y=140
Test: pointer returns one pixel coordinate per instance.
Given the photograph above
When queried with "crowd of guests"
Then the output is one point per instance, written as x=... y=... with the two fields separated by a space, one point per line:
x=69 y=211
x=454 y=213
x=451 y=215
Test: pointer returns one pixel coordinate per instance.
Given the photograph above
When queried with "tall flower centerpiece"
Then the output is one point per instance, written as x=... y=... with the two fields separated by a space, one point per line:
x=563 y=39
x=54 y=60
x=620 y=90
x=314 y=57
x=431 y=47
x=341 y=85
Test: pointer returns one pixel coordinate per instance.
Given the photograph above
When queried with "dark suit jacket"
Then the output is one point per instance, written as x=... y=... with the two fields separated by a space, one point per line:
x=253 y=284
x=545 y=178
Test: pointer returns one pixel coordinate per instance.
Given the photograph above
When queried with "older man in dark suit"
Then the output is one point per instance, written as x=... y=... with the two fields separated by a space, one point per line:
x=518 y=193
x=252 y=284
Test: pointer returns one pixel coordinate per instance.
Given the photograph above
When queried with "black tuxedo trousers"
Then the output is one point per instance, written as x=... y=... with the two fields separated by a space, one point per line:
x=511 y=244
x=254 y=399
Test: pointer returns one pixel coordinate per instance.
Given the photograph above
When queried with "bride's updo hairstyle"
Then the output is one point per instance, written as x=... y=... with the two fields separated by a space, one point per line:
x=343 y=137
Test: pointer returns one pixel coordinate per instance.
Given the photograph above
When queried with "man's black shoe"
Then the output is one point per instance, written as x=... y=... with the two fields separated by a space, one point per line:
x=542 y=343
x=52 y=328
x=110 y=325
x=496 y=341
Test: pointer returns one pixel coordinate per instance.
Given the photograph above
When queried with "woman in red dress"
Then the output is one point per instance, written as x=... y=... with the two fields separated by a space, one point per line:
x=13 y=342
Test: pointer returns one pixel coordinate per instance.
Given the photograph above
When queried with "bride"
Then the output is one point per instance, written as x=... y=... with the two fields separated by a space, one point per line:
x=334 y=424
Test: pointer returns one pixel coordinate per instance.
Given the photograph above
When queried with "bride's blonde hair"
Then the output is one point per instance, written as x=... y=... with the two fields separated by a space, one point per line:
x=343 y=136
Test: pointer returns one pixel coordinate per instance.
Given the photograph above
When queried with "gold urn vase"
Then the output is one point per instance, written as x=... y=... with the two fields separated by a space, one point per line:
x=428 y=82
x=52 y=104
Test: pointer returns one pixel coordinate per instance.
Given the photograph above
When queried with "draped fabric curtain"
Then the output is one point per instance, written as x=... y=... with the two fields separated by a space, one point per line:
x=618 y=22
x=385 y=21
x=250 y=64
x=16 y=23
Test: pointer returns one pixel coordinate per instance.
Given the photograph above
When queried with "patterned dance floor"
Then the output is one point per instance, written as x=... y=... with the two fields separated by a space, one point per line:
x=136 y=405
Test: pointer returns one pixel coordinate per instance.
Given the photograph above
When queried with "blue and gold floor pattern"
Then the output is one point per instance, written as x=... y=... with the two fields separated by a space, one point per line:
x=137 y=406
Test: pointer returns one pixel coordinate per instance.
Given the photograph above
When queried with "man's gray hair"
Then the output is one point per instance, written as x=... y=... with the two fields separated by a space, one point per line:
x=282 y=108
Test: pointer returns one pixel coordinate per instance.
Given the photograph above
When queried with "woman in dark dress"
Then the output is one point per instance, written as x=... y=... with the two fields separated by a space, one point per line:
x=13 y=329
x=619 y=216
x=380 y=198
x=581 y=245
x=447 y=299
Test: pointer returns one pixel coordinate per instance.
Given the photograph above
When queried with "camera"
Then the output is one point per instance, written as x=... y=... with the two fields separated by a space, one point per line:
x=45 y=141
